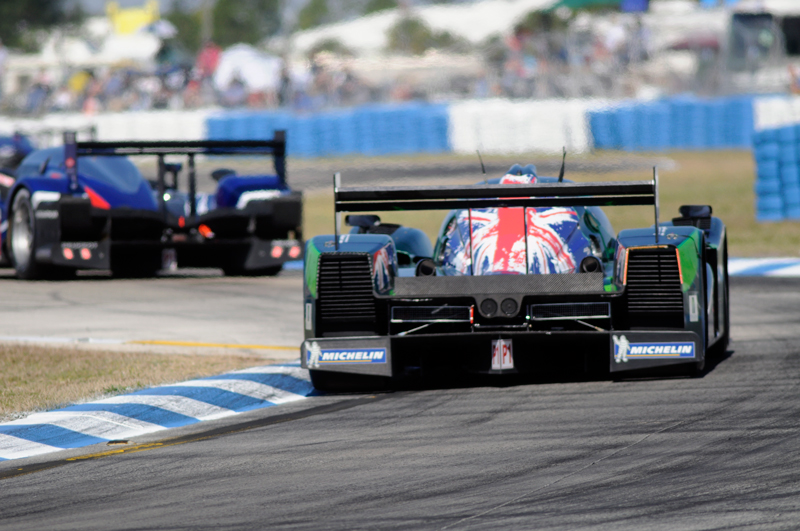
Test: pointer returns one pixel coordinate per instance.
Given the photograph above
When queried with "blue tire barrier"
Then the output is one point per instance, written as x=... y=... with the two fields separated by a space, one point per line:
x=788 y=154
x=682 y=122
x=791 y=196
x=769 y=216
x=767 y=151
x=716 y=120
x=768 y=169
x=777 y=155
x=786 y=135
x=770 y=203
x=601 y=124
x=217 y=128
x=239 y=127
x=366 y=130
x=767 y=187
x=790 y=176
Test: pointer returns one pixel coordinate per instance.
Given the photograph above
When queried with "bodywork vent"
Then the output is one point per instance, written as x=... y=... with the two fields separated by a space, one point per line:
x=345 y=288
x=700 y=223
x=655 y=298
x=432 y=314
x=569 y=311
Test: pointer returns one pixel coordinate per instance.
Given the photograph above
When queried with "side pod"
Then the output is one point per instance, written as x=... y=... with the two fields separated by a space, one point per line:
x=342 y=316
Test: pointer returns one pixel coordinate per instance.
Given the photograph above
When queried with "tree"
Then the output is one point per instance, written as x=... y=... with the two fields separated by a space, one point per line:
x=188 y=23
x=313 y=14
x=333 y=46
x=19 y=19
x=411 y=35
x=374 y=6
x=248 y=21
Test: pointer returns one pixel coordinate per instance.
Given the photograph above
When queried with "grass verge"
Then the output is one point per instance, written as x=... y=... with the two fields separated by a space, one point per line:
x=36 y=378
x=723 y=179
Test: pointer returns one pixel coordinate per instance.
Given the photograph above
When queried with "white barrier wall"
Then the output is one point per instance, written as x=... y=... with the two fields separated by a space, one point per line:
x=499 y=126
x=772 y=112
x=134 y=125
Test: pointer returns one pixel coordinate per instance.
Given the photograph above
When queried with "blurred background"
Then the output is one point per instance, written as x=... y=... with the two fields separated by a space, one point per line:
x=409 y=90
x=310 y=55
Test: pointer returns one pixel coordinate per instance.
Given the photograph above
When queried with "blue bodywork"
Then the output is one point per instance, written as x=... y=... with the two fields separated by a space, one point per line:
x=85 y=205
x=118 y=183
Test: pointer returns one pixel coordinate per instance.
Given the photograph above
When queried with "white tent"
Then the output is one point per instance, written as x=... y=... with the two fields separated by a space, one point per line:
x=471 y=21
x=258 y=71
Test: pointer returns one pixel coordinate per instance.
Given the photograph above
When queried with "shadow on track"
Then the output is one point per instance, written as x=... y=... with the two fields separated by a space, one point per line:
x=441 y=379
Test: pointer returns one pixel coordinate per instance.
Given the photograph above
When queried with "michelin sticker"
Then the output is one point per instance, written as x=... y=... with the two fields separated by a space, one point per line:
x=315 y=356
x=624 y=350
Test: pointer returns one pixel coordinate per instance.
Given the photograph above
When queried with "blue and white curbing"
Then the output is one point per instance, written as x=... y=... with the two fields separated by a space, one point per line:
x=764 y=267
x=154 y=409
x=181 y=404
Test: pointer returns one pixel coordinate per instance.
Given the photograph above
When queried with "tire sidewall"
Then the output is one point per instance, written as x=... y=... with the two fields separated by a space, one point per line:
x=29 y=270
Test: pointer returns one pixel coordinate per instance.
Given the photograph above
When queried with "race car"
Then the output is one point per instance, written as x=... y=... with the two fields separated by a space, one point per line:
x=526 y=276
x=85 y=205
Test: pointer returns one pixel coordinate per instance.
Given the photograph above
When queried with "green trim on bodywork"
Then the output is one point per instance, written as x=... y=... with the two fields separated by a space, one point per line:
x=310 y=266
x=689 y=253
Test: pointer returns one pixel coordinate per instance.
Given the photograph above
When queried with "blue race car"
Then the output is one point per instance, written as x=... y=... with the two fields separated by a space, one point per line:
x=86 y=206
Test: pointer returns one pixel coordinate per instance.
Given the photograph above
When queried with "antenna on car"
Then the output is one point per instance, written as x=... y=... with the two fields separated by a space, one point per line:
x=563 y=162
x=483 y=168
x=337 y=182
x=655 y=199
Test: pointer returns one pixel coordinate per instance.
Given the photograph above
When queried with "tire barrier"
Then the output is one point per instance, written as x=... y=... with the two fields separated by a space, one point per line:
x=370 y=130
x=777 y=184
x=684 y=122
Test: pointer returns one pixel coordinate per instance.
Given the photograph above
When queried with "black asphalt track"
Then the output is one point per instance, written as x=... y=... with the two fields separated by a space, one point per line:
x=721 y=451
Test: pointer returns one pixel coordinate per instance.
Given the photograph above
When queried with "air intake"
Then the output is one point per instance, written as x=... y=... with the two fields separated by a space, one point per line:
x=345 y=288
x=655 y=298
x=700 y=223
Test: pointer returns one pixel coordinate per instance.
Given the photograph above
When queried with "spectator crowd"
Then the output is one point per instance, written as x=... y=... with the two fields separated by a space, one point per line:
x=537 y=62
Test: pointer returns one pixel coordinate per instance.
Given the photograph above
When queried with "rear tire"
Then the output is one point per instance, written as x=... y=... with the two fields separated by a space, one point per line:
x=338 y=382
x=721 y=346
x=22 y=238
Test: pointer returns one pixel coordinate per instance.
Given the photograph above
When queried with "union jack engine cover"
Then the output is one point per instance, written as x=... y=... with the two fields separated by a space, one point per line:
x=555 y=241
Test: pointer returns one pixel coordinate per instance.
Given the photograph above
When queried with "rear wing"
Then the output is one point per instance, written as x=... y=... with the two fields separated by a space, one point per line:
x=400 y=198
x=74 y=149
x=560 y=194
